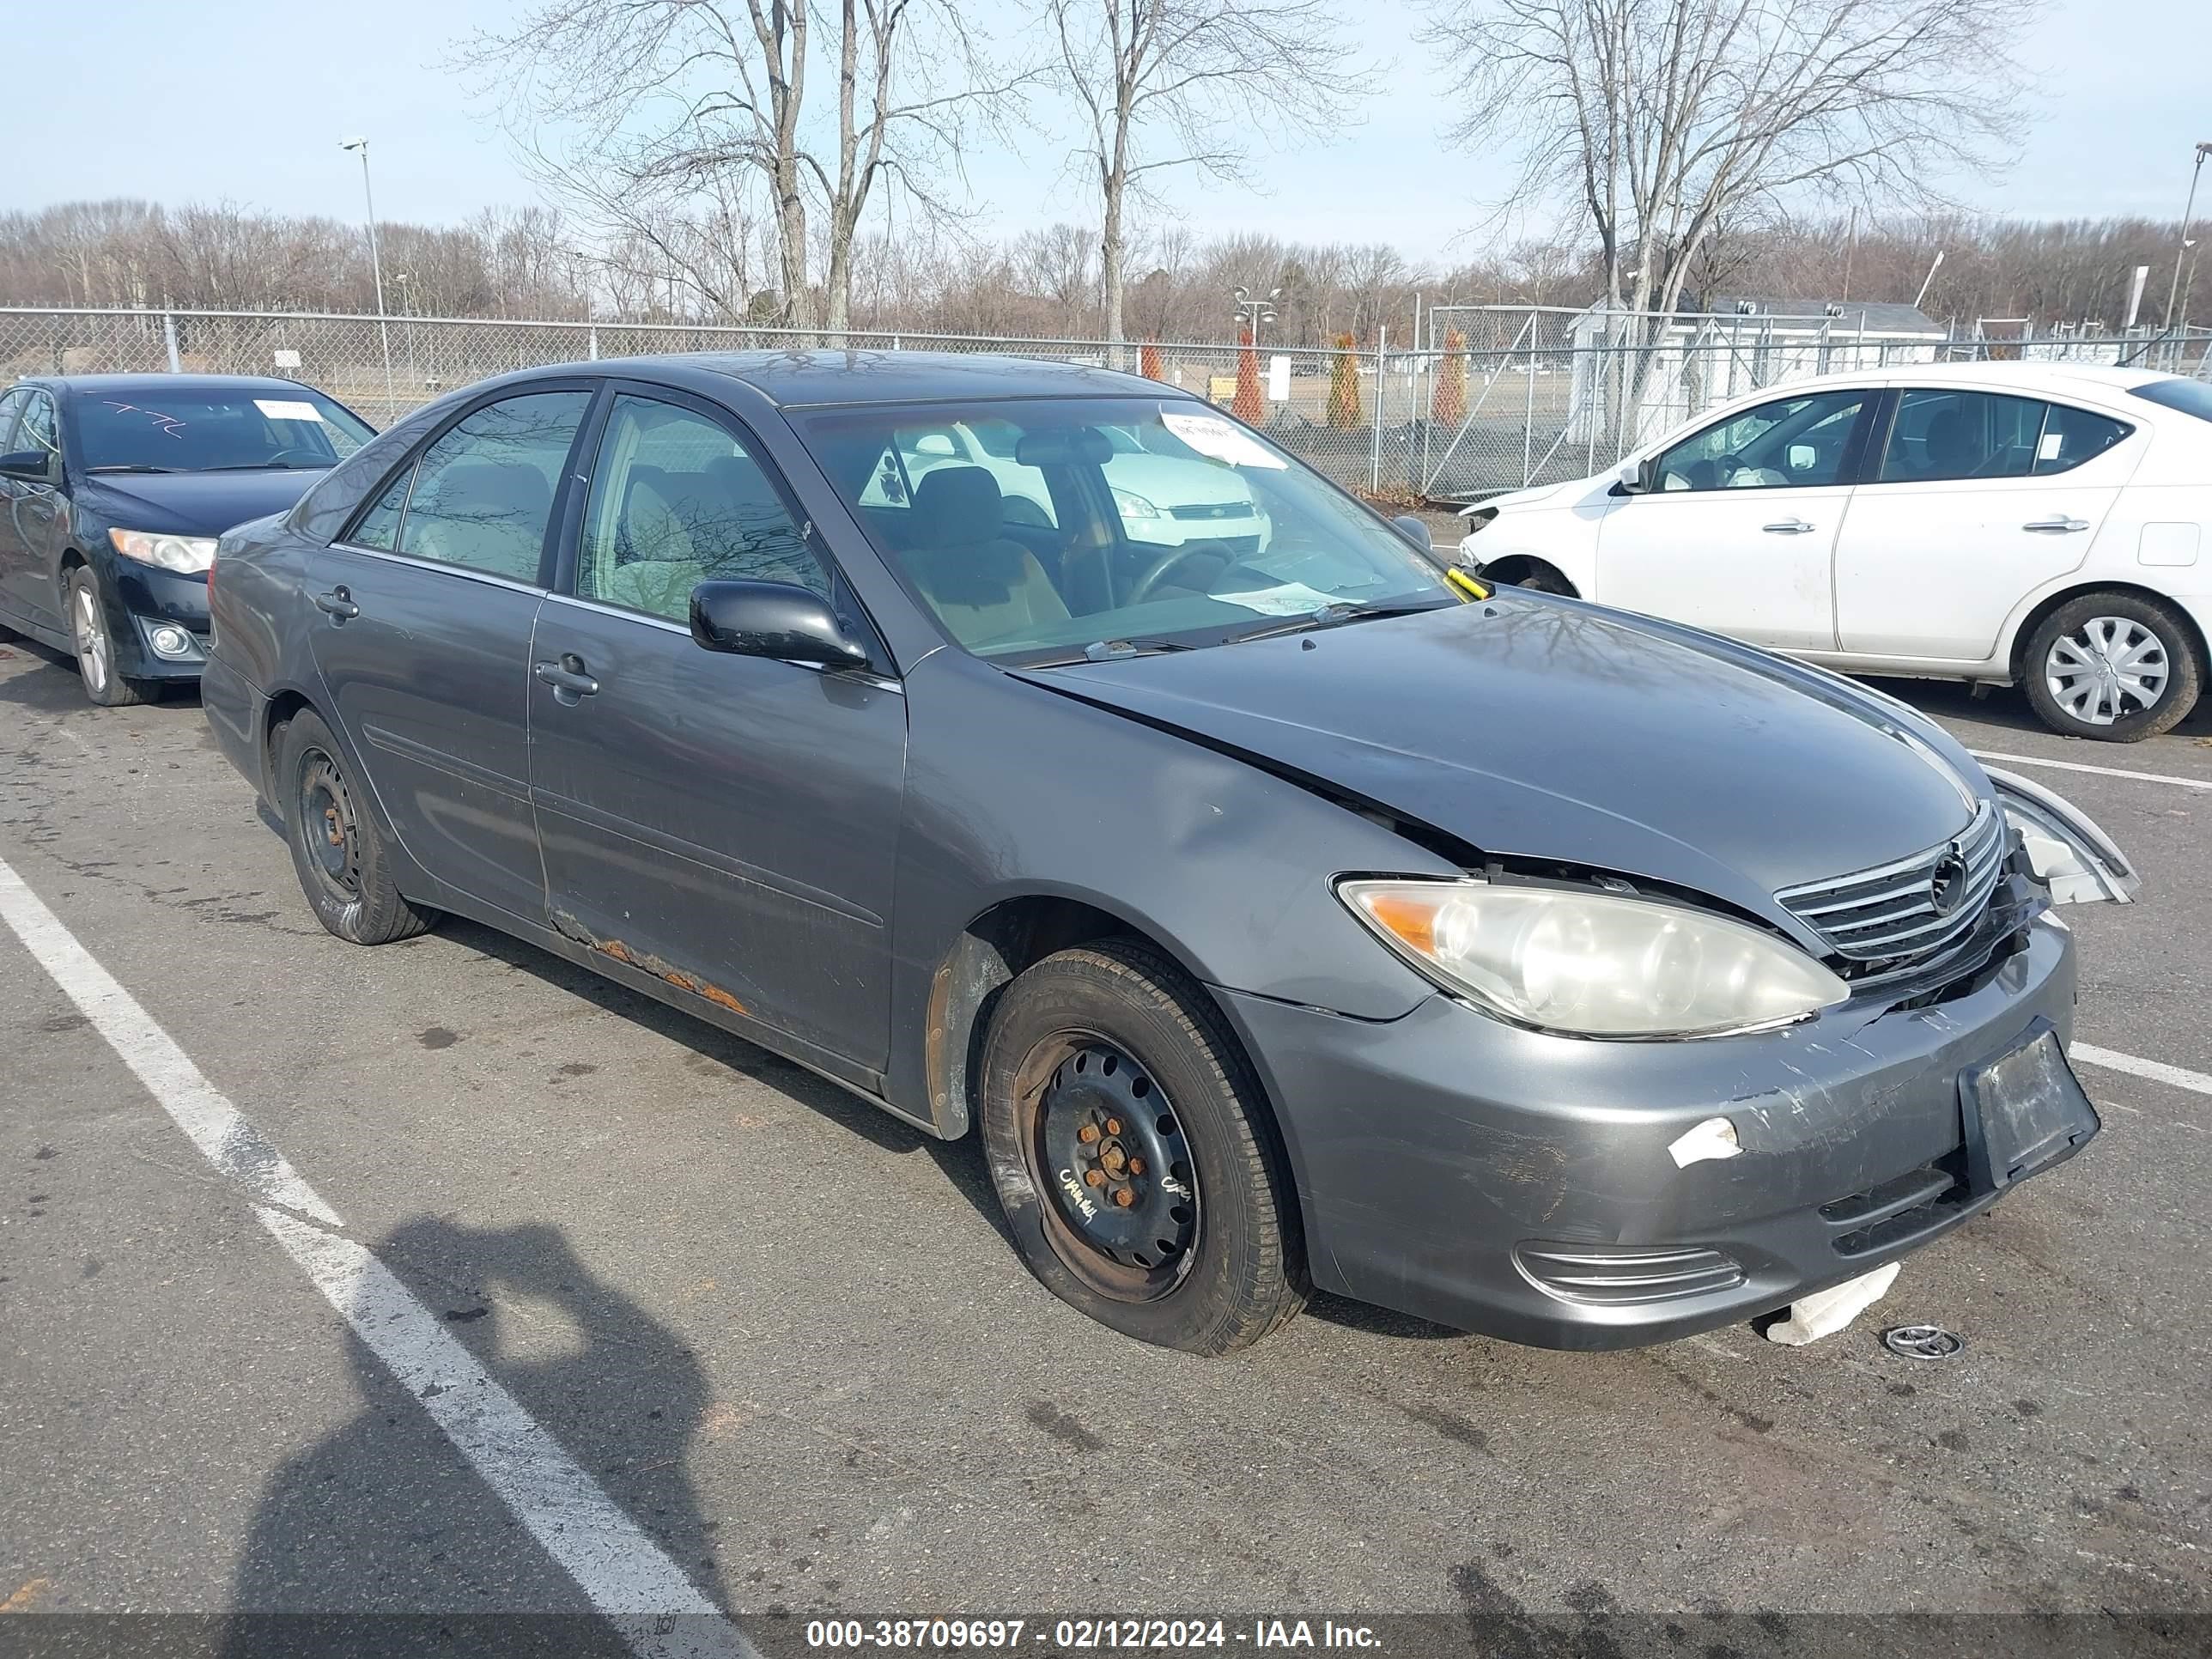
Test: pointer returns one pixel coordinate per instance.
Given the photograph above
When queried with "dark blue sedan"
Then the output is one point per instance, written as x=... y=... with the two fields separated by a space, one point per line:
x=112 y=490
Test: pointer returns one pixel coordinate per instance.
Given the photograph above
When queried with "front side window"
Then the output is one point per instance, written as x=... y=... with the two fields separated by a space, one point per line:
x=1030 y=548
x=11 y=405
x=1792 y=441
x=482 y=495
x=677 y=500
x=36 y=430
x=252 y=429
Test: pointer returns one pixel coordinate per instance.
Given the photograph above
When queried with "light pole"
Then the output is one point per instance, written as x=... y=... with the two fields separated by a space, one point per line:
x=1252 y=310
x=376 y=269
x=2173 y=288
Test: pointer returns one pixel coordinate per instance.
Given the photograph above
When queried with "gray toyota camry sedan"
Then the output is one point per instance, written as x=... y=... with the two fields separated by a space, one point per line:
x=1283 y=907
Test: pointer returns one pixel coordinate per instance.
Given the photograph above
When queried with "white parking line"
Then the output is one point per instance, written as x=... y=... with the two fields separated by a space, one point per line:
x=2157 y=1070
x=2101 y=771
x=658 y=1611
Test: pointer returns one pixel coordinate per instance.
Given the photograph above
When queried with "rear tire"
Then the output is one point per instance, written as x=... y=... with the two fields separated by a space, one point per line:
x=2154 y=676
x=1110 y=1080
x=94 y=646
x=339 y=850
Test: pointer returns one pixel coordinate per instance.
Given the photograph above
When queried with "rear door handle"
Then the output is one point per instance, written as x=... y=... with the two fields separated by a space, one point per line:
x=569 y=679
x=2058 y=526
x=338 y=602
x=1786 y=527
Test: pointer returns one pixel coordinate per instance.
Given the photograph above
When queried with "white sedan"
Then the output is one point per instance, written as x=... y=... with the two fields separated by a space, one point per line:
x=2001 y=523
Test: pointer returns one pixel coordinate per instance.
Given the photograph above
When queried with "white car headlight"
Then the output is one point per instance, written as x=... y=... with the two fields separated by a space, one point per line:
x=1134 y=506
x=1593 y=964
x=189 y=553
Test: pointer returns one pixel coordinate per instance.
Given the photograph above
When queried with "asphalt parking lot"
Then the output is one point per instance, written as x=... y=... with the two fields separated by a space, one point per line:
x=783 y=1337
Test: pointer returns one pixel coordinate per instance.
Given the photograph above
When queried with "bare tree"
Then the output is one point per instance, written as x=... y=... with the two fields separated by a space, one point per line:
x=1187 y=83
x=652 y=102
x=1666 y=120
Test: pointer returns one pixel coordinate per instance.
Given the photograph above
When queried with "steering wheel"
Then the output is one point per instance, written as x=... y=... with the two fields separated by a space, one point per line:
x=1169 y=559
x=277 y=457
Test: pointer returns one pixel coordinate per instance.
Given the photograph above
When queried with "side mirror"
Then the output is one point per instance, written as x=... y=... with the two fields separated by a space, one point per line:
x=781 y=620
x=34 y=464
x=1413 y=530
x=1632 y=478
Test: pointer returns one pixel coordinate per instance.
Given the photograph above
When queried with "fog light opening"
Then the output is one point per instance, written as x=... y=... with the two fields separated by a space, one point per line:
x=169 y=641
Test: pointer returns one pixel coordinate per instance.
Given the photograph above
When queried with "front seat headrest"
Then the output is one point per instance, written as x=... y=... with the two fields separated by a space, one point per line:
x=958 y=507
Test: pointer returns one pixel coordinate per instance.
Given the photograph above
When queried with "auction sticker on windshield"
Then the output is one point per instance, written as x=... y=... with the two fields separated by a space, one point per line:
x=1209 y=434
x=283 y=409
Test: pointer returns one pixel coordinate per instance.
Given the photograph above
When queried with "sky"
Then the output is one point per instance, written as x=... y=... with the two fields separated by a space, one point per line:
x=246 y=102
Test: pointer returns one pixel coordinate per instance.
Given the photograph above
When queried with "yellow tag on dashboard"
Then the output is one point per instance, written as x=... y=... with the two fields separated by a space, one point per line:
x=1468 y=586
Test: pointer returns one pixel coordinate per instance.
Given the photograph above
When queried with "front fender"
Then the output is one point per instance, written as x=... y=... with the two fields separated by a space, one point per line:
x=1015 y=791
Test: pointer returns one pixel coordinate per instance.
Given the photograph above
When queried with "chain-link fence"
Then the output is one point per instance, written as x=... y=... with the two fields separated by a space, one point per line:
x=1487 y=397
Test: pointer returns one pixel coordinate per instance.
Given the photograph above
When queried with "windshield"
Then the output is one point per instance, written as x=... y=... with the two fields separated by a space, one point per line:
x=204 y=431
x=1040 y=531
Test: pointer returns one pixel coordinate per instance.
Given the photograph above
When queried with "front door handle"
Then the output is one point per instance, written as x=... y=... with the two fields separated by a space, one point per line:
x=338 y=602
x=570 y=680
x=2058 y=526
x=1786 y=527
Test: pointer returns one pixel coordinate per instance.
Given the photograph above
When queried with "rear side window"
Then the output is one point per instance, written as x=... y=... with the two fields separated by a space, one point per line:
x=2190 y=396
x=2071 y=436
x=1944 y=436
x=1939 y=436
x=482 y=494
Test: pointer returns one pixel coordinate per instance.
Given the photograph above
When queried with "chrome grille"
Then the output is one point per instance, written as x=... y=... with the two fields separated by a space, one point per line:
x=1212 y=510
x=1894 y=912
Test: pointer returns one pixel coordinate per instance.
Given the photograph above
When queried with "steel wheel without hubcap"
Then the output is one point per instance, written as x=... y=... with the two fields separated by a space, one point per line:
x=1106 y=1145
x=2106 y=669
x=96 y=660
x=328 y=831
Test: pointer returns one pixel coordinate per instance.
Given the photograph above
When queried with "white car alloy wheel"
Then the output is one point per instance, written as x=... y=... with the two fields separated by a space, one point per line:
x=96 y=659
x=2107 y=668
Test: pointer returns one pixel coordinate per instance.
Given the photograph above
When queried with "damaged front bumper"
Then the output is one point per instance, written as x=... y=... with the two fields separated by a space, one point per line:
x=1523 y=1185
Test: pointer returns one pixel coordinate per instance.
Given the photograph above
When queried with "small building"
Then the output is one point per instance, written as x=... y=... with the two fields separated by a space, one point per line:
x=1634 y=382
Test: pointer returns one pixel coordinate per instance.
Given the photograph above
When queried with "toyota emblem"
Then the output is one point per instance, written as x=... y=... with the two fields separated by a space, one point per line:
x=1947 y=884
x=1921 y=1341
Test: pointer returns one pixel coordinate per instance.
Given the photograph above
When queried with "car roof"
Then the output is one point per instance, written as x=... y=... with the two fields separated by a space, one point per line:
x=796 y=380
x=141 y=385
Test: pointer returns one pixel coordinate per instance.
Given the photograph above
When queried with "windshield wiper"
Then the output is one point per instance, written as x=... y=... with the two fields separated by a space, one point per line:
x=265 y=466
x=1112 y=651
x=130 y=466
x=1332 y=615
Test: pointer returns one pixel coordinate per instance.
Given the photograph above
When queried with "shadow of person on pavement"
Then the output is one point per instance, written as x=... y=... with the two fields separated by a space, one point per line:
x=382 y=1538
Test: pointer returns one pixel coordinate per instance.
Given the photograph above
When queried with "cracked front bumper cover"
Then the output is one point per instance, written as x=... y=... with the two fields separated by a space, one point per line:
x=1429 y=1150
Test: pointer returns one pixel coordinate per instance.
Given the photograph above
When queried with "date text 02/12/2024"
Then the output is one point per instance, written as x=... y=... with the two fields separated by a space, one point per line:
x=1083 y=1635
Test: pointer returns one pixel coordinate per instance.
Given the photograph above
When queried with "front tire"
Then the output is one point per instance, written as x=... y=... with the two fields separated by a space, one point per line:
x=338 y=849
x=95 y=648
x=1132 y=1152
x=2111 y=666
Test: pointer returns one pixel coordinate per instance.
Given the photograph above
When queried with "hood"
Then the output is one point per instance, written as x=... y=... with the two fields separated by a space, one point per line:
x=1519 y=498
x=1546 y=729
x=193 y=503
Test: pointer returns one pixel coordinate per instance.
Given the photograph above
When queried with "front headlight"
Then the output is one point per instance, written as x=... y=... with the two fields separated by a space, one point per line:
x=1593 y=964
x=188 y=554
x=2069 y=854
x=1134 y=506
